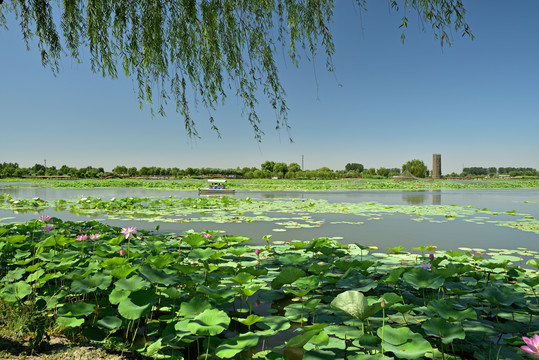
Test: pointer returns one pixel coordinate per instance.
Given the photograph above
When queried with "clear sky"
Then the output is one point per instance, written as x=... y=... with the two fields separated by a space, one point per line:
x=476 y=103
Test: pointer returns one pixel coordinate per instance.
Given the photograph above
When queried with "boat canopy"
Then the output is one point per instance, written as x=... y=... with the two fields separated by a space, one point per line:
x=216 y=181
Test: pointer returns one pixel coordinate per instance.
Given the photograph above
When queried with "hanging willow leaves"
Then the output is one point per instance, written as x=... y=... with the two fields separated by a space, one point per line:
x=201 y=49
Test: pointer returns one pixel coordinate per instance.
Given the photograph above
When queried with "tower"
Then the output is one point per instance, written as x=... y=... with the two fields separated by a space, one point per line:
x=436 y=166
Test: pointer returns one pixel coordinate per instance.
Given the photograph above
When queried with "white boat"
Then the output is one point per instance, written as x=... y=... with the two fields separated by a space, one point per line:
x=216 y=187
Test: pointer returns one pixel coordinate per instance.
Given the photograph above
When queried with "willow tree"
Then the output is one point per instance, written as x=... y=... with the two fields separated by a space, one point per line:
x=191 y=51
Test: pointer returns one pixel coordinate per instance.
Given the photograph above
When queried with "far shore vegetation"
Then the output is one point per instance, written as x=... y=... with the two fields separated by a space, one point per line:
x=267 y=170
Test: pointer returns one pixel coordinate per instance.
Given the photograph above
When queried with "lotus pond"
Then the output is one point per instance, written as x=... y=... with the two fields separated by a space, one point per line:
x=275 y=275
x=484 y=219
x=211 y=295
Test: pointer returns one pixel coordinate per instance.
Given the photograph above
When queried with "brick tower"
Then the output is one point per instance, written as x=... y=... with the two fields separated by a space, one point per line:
x=436 y=166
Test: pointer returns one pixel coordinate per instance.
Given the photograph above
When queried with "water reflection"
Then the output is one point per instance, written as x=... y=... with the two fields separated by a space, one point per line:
x=436 y=197
x=422 y=197
x=414 y=198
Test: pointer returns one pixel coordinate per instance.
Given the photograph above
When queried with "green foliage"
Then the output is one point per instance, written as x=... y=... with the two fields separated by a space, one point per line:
x=178 y=293
x=416 y=167
x=200 y=49
x=355 y=167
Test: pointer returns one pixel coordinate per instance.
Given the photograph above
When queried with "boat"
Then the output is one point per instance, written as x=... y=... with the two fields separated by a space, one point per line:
x=216 y=187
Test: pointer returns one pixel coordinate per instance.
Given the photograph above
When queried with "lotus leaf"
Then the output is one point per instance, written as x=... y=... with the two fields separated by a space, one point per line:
x=300 y=340
x=80 y=308
x=442 y=329
x=249 y=289
x=344 y=332
x=201 y=254
x=153 y=348
x=159 y=276
x=369 y=357
x=136 y=304
x=14 y=275
x=210 y=322
x=15 y=292
x=91 y=283
x=68 y=322
x=109 y=323
x=403 y=342
x=274 y=323
x=422 y=279
x=243 y=277
x=221 y=294
x=230 y=347
x=287 y=276
x=320 y=354
x=355 y=304
x=503 y=296
x=447 y=311
x=195 y=306
x=292 y=259
x=134 y=283
x=249 y=320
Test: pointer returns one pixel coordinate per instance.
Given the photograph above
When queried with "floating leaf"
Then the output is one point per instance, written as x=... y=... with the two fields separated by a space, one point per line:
x=442 y=329
x=230 y=347
x=211 y=322
x=422 y=279
x=355 y=304
x=403 y=342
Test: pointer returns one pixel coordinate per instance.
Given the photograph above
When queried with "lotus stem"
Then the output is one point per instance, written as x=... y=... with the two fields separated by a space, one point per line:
x=207 y=348
x=383 y=326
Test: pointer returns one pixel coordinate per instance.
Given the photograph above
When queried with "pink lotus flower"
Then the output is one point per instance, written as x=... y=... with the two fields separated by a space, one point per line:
x=207 y=236
x=48 y=228
x=532 y=345
x=129 y=231
x=82 y=237
x=95 y=236
x=122 y=252
x=431 y=257
x=44 y=218
x=383 y=304
x=257 y=252
x=425 y=266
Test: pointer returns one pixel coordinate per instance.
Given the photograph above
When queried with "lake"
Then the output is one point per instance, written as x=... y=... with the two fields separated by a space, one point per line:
x=381 y=229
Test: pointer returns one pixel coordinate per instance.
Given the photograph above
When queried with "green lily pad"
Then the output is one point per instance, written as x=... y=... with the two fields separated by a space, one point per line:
x=287 y=276
x=230 y=347
x=109 y=323
x=447 y=311
x=80 y=308
x=15 y=292
x=403 y=342
x=68 y=322
x=210 y=323
x=137 y=304
x=355 y=304
x=422 y=279
x=442 y=329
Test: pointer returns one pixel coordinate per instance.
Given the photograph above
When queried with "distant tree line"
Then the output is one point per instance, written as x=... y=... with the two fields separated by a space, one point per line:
x=268 y=169
x=492 y=171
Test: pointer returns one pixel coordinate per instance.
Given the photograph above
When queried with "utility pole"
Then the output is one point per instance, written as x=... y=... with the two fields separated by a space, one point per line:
x=302 y=169
x=45 y=162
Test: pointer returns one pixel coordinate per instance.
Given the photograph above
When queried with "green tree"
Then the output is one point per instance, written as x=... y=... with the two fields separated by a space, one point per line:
x=382 y=172
x=416 y=167
x=280 y=169
x=120 y=170
x=267 y=166
x=201 y=49
x=294 y=167
x=355 y=167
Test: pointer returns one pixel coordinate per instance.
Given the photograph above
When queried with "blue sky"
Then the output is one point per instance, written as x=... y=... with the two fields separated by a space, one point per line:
x=476 y=103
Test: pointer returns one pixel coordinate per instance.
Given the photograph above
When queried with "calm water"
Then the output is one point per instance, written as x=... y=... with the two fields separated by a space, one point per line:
x=386 y=231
